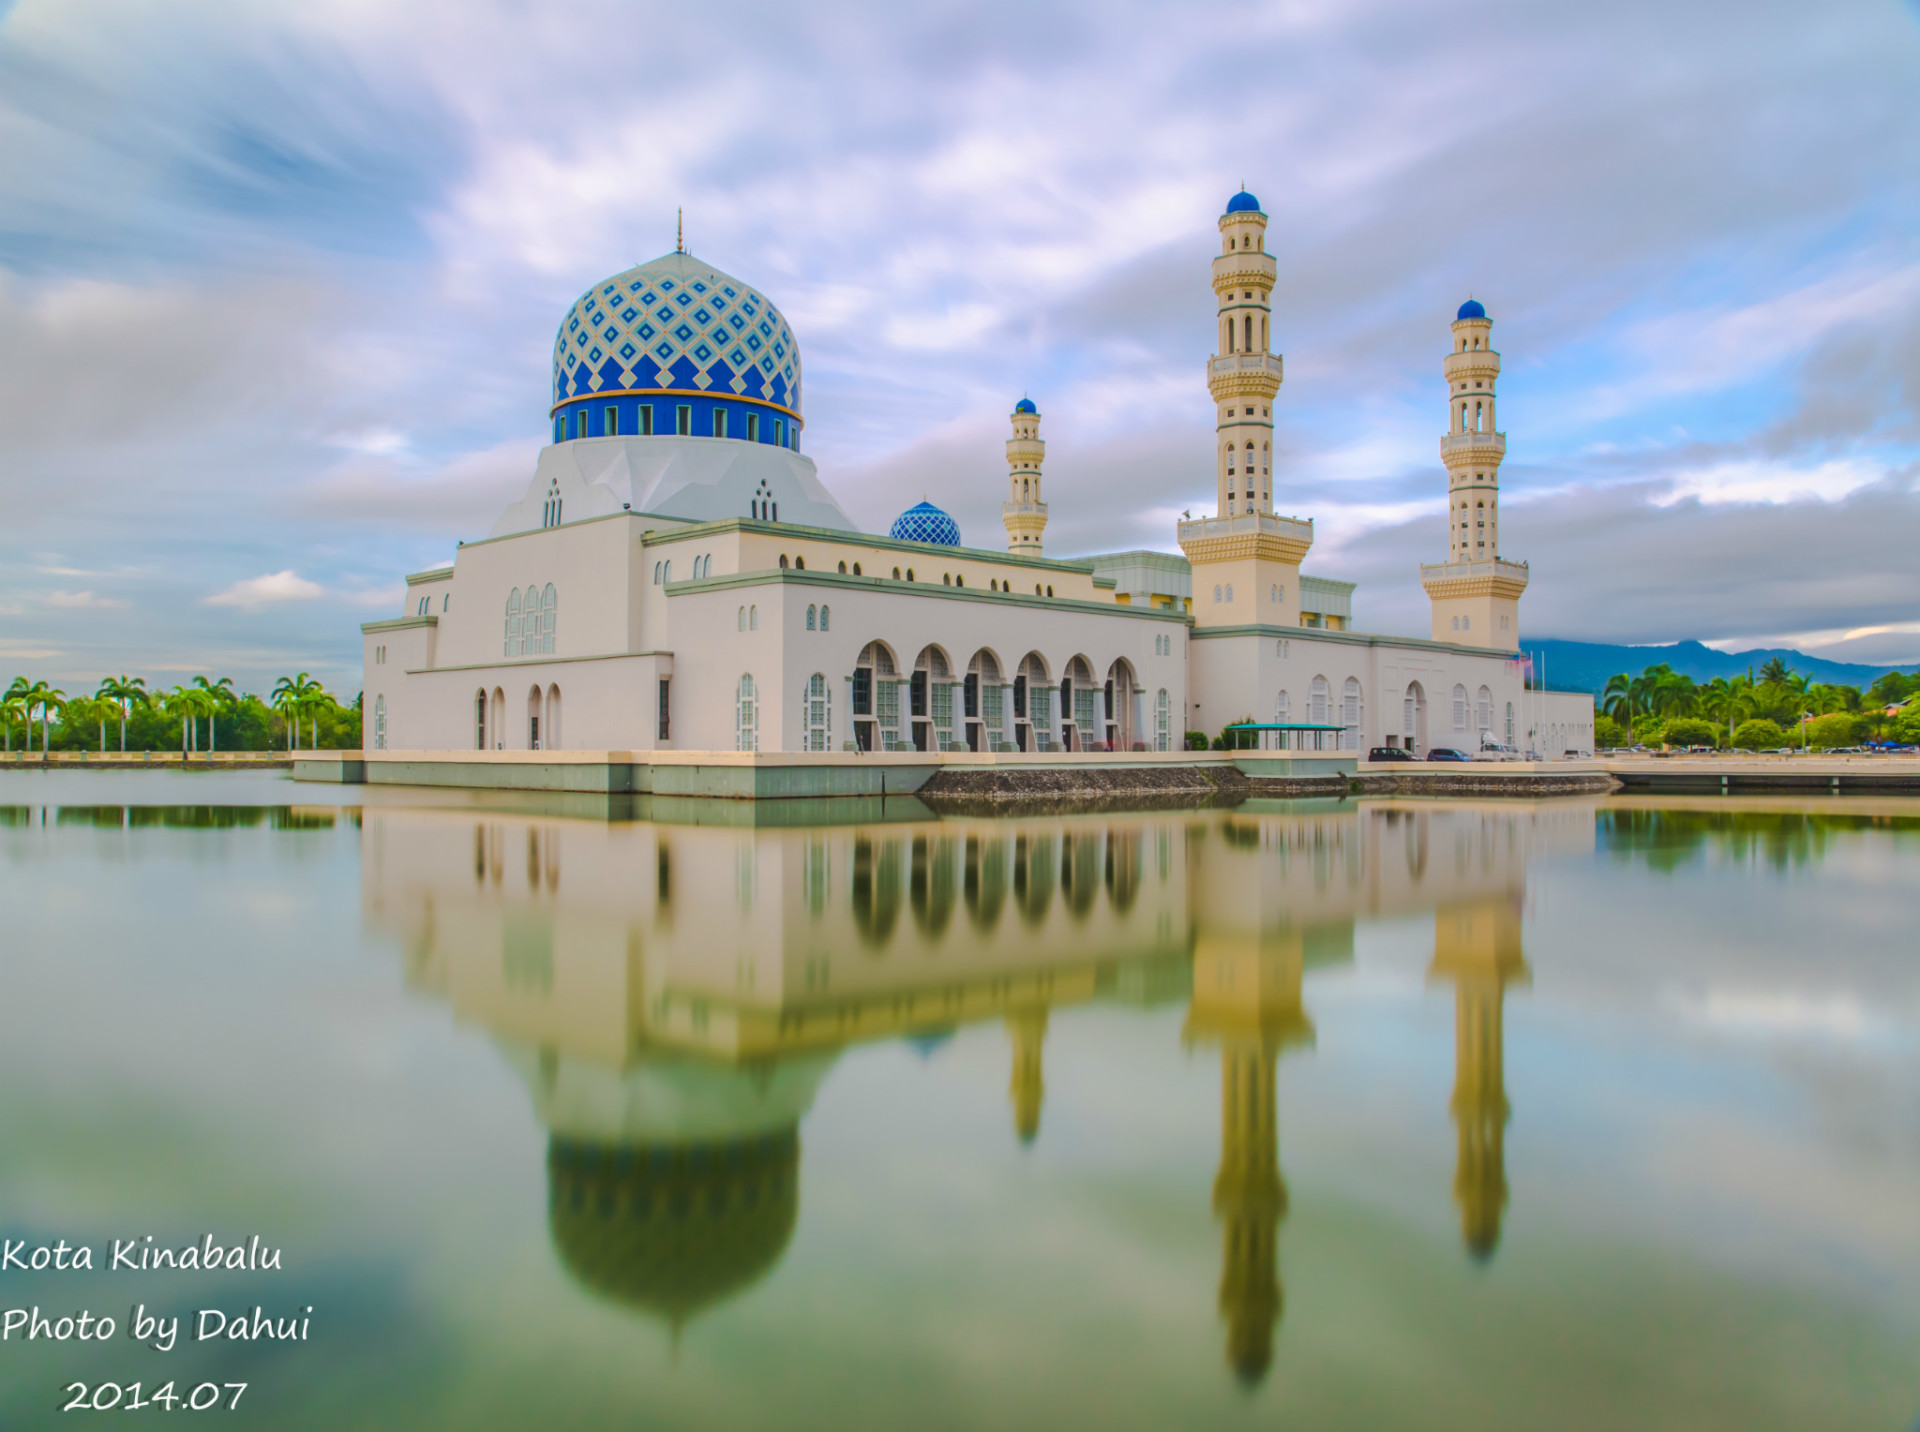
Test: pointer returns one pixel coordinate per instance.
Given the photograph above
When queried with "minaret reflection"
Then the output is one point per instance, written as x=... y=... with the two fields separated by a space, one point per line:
x=1477 y=947
x=1246 y=998
x=1029 y=1087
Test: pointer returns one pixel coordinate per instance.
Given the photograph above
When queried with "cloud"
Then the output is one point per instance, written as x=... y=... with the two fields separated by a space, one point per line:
x=81 y=601
x=278 y=286
x=268 y=591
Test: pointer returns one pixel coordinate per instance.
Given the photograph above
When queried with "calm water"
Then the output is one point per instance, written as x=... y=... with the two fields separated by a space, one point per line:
x=1399 y=1114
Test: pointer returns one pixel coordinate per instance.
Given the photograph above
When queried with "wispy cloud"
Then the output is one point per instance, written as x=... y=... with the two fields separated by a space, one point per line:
x=82 y=601
x=272 y=590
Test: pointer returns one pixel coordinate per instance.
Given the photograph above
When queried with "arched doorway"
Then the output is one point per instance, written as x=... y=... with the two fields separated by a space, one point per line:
x=1080 y=723
x=984 y=703
x=876 y=698
x=1413 y=718
x=930 y=701
x=1126 y=718
x=1032 y=704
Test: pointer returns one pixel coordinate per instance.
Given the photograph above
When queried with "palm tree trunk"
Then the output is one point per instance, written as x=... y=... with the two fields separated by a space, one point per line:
x=123 y=730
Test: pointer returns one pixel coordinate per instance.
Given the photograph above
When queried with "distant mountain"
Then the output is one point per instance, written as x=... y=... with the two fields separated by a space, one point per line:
x=1586 y=665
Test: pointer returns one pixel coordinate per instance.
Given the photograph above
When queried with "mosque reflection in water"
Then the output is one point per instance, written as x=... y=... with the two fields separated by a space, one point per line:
x=674 y=995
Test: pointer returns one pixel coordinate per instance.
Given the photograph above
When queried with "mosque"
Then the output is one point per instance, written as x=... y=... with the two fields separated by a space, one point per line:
x=676 y=576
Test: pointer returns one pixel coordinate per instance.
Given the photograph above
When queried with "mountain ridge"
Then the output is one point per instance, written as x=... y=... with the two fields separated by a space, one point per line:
x=1586 y=665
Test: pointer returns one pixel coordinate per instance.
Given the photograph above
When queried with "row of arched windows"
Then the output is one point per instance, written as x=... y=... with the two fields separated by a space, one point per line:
x=532 y=617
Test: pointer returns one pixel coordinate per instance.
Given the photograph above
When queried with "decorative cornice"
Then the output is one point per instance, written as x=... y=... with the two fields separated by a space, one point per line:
x=398 y=622
x=438 y=574
x=788 y=576
x=1445 y=581
x=676 y=393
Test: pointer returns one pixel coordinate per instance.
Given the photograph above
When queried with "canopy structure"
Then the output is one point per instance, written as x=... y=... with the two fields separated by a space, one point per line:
x=1260 y=732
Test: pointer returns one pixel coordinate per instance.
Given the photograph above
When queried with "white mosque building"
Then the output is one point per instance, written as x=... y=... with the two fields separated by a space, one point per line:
x=677 y=577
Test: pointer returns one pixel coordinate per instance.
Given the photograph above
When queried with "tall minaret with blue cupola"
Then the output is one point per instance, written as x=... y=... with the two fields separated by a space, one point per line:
x=1475 y=594
x=1244 y=375
x=1246 y=560
x=1024 y=514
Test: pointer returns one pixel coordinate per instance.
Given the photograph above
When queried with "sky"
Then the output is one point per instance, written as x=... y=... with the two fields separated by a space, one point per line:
x=279 y=284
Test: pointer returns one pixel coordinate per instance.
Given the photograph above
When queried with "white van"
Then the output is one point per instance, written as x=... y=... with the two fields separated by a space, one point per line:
x=1492 y=750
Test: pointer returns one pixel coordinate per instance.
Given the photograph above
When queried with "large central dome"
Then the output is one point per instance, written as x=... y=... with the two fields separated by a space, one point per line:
x=680 y=327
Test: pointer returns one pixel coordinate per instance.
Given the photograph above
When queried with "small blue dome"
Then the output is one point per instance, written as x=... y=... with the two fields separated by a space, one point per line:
x=1243 y=203
x=923 y=522
x=1025 y=405
x=1471 y=309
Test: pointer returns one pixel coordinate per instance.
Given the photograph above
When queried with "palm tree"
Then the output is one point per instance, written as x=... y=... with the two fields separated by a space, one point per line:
x=183 y=702
x=46 y=698
x=1776 y=672
x=124 y=691
x=290 y=695
x=1617 y=701
x=14 y=708
x=215 y=695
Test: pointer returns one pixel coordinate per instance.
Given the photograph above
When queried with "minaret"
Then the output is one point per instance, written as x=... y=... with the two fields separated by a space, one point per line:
x=1024 y=513
x=1477 y=947
x=1249 y=554
x=1475 y=595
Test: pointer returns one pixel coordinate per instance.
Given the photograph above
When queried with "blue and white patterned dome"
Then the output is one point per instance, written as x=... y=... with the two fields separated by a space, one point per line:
x=923 y=522
x=677 y=326
x=1243 y=203
x=1470 y=309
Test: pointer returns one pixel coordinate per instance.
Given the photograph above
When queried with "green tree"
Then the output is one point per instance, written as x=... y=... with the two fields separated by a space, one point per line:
x=295 y=696
x=46 y=699
x=1759 y=735
x=1836 y=728
x=124 y=692
x=13 y=707
x=216 y=697
x=1692 y=731
x=184 y=703
x=1616 y=699
x=1607 y=732
x=1776 y=672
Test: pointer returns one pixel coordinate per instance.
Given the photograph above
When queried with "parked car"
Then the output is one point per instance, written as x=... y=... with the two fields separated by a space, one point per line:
x=1446 y=753
x=1498 y=751
x=1391 y=753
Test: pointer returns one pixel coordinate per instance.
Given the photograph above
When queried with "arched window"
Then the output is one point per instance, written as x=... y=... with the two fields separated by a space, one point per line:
x=1509 y=723
x=1229 y=593
x=666 y=573
x=746 y=717
x=1216 y=595
x=1483 y=711
x=1248 y=322
x=753 y=619
x=740 y=619
x=813 y=615
x=549 y=618
x=843 y=569
x=816 y=719
x=513 y=646
x=1459 y=708
x=1162 y=721
x=480 y=720
x=783 y=561
x=1353 y=711
x=1282 y=705
x=823 y=618
x=799 y=564
x=1456 y=623
x=1319 y=699
x=1274 y=595
x=856 y=569
x=379 y=723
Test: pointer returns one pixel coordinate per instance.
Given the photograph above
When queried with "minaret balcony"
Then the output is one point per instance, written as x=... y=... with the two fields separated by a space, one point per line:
x=1248 y=524
x=1247 y=363
x=1024 y=509
x=1480 y=447
x=1481 y=363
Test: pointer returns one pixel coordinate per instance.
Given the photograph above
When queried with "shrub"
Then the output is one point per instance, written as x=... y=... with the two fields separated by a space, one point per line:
x=1649 y=730
x=1906 y=726
x=1758 y=735
x=1692 y=731
x=1838 y=728
x=1196 y=740
x=1607 y=732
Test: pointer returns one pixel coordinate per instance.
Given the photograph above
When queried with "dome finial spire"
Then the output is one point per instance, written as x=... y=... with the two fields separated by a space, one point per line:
x=679 y=231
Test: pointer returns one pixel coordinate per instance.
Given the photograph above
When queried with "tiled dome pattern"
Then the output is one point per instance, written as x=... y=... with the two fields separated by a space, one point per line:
x=676 y=323
x=923 y=522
